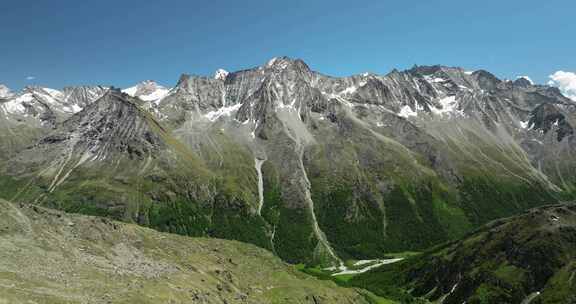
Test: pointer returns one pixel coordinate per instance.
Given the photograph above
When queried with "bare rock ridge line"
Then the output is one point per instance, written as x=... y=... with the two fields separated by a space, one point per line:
x=404 y=160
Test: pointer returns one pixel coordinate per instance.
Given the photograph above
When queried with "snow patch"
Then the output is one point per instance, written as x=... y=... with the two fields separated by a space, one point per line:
x=74 y=108
x=434 y=79
x=157 y=95
x=278 y=63
x=525 y=124
x=349 y=90
x=131 y=91
x=271 y=62
x=148 y=91
x=406 y=112
x=352 y=89
x=16 y=106
x=221 y=74
x=449 y=106
x=224 y=111
x=50 y=96
x=53 y=93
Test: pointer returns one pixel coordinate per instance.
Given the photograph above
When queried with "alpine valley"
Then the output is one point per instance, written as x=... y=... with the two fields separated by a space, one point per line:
x=317 y=170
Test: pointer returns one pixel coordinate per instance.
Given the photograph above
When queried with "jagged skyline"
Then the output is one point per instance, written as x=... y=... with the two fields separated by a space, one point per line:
x=133 y=41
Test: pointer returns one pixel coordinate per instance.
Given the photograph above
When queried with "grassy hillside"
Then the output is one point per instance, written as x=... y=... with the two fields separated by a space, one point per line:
x=52 y=257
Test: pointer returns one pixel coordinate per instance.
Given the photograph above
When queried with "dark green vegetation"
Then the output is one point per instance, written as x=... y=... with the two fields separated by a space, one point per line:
x=529 y=256
x=374 y=196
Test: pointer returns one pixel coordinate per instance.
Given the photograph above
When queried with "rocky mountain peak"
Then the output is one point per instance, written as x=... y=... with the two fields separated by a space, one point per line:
x=483 y=74
x=425 y=70
x=435 y=70
x=486 y=80
x=83 y=95
x=279 y=62
x=145 y=87
x=114 y=123
x=523 y=81
x=147 y=90
x=287 y=63
x=315 y=130
x=186 y=81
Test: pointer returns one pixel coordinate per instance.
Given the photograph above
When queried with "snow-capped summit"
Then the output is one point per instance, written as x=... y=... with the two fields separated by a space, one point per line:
x=5 y=91
x=42 y=92
x=221 y=74
x=148 y=90
x=46 y=106
x=57 y=100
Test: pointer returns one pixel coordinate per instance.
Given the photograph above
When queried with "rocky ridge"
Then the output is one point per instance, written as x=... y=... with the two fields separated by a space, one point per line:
x=315 y=168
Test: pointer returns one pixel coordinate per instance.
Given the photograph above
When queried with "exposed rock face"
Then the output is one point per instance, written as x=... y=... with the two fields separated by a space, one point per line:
x=35 y=111
x=354 y=166
x=112 y=127
x=530 y=258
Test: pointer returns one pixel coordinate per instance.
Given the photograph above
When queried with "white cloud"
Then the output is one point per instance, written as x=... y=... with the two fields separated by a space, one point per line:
x=566 y=82
x=30 y=78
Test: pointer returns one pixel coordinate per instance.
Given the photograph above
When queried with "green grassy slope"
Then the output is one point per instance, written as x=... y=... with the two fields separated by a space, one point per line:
x=52 y=257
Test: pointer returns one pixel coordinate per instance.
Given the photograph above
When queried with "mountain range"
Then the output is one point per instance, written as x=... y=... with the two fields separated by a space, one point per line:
x=316 y=169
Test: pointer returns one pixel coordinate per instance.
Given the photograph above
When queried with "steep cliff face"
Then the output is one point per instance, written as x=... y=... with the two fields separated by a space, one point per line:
x=32 y=113
x=313 y=167
x=114 y=159
x=528 y=258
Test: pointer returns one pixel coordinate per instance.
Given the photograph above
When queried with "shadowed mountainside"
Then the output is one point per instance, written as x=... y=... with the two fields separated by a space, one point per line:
x=529 y=258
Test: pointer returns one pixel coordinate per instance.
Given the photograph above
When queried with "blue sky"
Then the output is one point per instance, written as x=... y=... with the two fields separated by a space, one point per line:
x=61 y=43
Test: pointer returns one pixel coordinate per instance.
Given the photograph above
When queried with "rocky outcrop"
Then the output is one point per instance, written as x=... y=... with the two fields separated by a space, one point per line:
x=355 y=166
